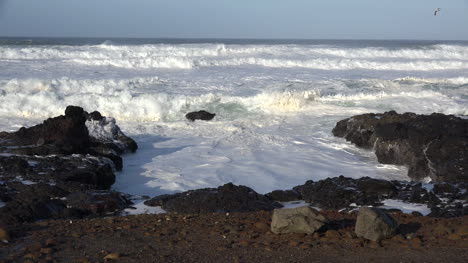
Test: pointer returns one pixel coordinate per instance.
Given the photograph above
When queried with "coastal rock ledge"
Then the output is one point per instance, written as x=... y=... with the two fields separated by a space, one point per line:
x=434 y=146
x=62 y=168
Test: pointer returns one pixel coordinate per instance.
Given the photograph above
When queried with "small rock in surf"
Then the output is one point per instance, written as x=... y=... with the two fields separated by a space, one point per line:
x=200 y=115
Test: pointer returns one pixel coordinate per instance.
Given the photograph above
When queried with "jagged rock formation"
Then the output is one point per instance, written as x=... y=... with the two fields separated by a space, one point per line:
x=432 y=146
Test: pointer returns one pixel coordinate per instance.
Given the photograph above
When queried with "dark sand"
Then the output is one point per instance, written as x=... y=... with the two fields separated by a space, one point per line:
x=234 y=237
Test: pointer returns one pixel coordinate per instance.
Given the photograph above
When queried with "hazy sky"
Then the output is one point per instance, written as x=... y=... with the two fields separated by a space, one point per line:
x=335 y=19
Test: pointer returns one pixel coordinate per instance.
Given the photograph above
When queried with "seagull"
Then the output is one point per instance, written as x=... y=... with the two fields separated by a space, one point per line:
x=435 y=11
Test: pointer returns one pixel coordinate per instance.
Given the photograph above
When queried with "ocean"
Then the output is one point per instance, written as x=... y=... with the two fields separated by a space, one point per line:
x=276 y=102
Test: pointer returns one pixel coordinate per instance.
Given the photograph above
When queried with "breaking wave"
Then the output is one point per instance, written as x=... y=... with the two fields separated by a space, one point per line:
x=123 y=99
x=190 y=56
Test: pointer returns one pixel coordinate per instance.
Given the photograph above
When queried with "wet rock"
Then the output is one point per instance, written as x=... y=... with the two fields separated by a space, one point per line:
x=75 y=133
x=284 y=195
x=432 y=146
x=297 y=220
x=226 y=198
x=374 y=224
x=97 y=202
x=200 y=115
x=107 y=137
x=341 y=192
x=95 y=115
x=42 y=165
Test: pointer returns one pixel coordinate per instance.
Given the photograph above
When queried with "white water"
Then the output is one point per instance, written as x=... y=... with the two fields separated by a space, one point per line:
x=276 y=105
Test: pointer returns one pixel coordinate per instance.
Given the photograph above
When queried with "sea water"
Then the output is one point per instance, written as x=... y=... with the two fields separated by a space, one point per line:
x=276 y=102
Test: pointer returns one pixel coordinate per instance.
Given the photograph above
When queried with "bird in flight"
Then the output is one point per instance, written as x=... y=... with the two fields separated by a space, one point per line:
x=436 y=11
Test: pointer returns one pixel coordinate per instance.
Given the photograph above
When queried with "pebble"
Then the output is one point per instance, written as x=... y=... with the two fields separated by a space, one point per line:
x=47 y=250
x=293 y=243
x=50 y=242
x=112 y=256
x=332 y=234
x=262 y=226
x=4 y=236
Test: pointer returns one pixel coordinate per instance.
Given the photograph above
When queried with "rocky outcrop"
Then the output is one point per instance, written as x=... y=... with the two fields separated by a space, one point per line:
x=297 y=220
x=226 y=198
x=284 y=195
x=374 y=224
x=200 y=115
x=434 y=146
x=76 y=132
x=342 y=193
x=44 y=168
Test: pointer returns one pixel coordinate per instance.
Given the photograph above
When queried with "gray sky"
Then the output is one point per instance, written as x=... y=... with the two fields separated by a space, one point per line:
x=310 y=19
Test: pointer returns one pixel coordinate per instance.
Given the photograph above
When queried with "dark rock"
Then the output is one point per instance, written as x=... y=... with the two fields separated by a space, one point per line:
x=97 y=202
x=61 y=135
x=95 y=115
x=433 y=145
x=200 y=115
x=70 y=134
x=226 y=198
x=340 y=192
x=284 y=196
x=54 y=169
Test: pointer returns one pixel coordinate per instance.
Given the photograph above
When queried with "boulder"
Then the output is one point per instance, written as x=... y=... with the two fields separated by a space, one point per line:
x=297 y=220
x=432 y=146
x=200 y=115
x=226 y=198
x=374 y=224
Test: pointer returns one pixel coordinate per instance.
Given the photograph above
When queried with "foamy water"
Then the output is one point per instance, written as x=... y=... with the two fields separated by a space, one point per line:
x=276 y=103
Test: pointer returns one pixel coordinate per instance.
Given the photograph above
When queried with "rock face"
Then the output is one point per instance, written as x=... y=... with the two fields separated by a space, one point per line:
x=434 y=146
x=45 y=167
x=226 y=198
x=200 y=115
x=297 y=220
x=374 y=224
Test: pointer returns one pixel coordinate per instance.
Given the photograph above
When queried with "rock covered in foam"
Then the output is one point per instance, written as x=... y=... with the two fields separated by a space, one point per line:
x=104 y=130
x=226 y=198
x=434 y=147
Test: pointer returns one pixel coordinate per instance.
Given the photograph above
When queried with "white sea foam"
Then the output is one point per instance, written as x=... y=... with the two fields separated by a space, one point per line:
x=439 y=57
x=406 y=207
x=140 y=208
x=275 y=105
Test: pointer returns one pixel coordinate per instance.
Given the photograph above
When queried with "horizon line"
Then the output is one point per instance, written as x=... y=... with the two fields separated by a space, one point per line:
x=231 y=38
